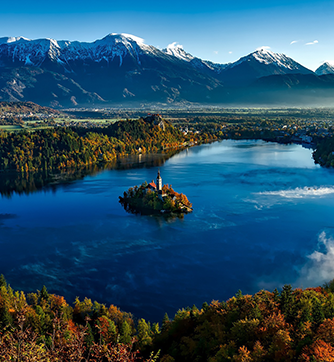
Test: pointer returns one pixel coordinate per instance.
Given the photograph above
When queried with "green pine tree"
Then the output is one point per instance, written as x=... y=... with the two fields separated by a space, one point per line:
x=3 y=282
x=125 y=333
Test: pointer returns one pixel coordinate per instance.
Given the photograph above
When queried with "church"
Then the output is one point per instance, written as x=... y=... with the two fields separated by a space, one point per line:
x=156 y=187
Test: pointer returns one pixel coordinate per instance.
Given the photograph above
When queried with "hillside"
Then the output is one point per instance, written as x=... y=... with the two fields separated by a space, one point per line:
x=20 y=108
x=66 y=148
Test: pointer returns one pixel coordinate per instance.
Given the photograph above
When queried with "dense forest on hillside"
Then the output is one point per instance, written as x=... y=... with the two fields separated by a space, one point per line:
x=290 y=325
x=19 y=108
x=64 y=148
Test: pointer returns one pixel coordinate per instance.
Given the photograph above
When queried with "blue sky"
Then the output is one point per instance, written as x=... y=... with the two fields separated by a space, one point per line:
x=220 y=31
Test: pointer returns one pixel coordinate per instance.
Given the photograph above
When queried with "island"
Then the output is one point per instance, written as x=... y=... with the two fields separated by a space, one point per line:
x=155 y=198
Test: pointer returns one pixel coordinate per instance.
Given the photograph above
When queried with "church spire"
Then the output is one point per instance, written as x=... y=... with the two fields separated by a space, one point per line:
x=159 y=182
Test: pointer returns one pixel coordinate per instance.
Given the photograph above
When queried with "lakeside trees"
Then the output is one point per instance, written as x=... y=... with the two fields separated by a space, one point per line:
x=44 y=327
x=65 y=148
x=324 y=153
x=290 y=325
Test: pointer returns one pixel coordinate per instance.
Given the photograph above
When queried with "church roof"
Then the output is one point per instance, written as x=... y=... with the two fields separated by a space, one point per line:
x=152 y=184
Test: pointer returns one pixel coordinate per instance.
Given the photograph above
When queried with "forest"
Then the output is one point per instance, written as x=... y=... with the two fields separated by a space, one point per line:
x=66 y=148
x=19 y=108
x=324 y=153
x=286 y=325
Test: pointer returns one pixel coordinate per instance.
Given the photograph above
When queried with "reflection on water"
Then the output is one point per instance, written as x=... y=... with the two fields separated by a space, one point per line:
x=27 y=183
x=262 y=217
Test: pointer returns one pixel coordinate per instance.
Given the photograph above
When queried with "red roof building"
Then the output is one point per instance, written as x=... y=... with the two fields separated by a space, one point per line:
x=152 y=185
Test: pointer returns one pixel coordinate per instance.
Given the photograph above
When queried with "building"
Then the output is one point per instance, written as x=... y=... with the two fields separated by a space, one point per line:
x=156 y=187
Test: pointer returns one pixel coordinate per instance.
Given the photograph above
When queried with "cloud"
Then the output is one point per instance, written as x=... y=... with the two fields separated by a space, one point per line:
x=300 y=193
x=294 y=42
x=174 y=45
x=317 y=270
x=320 y=266
x=230 y=52
x=265 y=47
x=312 y=42
x=215 y=51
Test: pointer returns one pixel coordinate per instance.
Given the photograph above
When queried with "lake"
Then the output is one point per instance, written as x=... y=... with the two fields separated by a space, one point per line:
x=263 y=217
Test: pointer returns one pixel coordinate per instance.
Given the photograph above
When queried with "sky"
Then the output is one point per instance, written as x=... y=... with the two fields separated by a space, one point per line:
x=220 y=31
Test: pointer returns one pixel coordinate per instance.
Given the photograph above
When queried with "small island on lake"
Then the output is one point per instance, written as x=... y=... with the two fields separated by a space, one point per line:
x=155 y=198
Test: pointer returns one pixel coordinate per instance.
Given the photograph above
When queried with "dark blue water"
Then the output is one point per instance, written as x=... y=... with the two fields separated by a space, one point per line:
x=263 y=216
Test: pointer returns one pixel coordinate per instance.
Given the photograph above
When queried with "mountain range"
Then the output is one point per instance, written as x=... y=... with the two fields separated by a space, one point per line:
x=121 y=70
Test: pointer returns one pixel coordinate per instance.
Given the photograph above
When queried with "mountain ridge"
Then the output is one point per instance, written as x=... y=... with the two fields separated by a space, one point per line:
x=121 y=68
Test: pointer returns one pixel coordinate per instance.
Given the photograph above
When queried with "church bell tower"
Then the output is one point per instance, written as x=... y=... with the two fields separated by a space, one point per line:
x=159 y=182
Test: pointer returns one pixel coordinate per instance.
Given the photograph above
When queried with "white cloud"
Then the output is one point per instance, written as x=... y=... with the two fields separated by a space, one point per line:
x=299 y=193
x=312 y=42
x=174 y=45
x=294 y=42
x=215 y=51
x=320 y=267
x=230 y=52
x=265 y=47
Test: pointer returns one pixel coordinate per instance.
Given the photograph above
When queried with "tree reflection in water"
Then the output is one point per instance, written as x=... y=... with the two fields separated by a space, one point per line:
x=30 y=182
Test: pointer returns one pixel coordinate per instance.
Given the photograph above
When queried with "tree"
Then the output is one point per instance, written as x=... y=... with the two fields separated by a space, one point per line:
x=44 y=295
x=3 y=282
x=165 y=321
x=143 y=333
x=125 y=333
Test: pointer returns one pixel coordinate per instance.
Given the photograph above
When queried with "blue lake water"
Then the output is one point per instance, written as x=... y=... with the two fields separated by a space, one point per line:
x=263 y=217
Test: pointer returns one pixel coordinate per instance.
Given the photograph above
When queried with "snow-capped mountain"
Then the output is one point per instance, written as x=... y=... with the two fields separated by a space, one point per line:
x=325 y=68
x=261 y=63
x=121 y=68
x=267 y=57
x=178 y=52
x=24 y=51
x=116 y=68
x=35 y=52
x=118 y=47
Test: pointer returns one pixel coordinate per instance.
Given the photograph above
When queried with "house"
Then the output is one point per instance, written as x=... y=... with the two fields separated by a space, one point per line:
x=152 y=186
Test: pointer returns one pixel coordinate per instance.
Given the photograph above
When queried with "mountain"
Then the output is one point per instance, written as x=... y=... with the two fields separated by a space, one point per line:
x=260 y=63
x=291 y=90
x=177 y=51
x=325 y=68
x=117 y=68
x=121 y=69
x=43 y=87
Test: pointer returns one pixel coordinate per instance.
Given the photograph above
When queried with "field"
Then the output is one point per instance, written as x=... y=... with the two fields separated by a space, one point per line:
x=11 y=128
